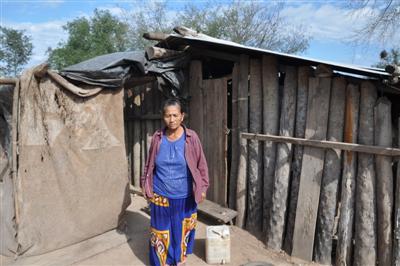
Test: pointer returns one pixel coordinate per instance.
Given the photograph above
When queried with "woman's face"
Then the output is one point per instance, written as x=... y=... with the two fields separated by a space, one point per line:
x=173 y=116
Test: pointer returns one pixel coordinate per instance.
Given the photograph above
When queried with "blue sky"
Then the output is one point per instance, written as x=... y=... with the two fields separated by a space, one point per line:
x=327 y=22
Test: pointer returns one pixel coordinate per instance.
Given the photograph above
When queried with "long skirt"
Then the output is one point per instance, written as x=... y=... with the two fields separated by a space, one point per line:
x=172 y=229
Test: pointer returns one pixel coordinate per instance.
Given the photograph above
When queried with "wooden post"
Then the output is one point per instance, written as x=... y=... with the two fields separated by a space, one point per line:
x=345 y=228
x=136 y=139
x=384 y=181
x=331 y=175
x=234 y=138
x=311 y=168
x=365 y=220
x=196 y=118
x=270 y=85
x=254 y=211
x=300 y=129
x=396 y=232
x=283 y=159
x=243 y=92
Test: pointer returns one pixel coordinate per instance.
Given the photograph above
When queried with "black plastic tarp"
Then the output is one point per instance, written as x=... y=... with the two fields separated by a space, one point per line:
x=112 y=70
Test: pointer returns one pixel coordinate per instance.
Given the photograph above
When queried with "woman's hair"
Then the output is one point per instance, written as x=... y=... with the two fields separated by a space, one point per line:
x=172 y=102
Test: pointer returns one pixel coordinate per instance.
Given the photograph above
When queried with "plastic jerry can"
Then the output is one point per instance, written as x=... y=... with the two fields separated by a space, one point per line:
x=218 y=244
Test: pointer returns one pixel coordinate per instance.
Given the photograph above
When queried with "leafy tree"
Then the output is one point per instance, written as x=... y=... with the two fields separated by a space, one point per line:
x=251 y=23
x=389 y=58
x=102 y=34
x=15 y=51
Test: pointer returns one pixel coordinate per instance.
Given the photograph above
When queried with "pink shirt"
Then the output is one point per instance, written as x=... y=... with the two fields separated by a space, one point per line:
x=194 y=158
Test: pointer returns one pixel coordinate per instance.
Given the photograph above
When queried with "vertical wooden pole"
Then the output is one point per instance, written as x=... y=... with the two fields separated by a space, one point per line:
x=365 y=220
x=136 y=139
x=331 y=175
x=396 y=232
x=243 y=92
x=283 y=159
x=270 y=83
x=384 y=181
x=234 y=138
x=254 y=212
x=196 y=118
x=345 y=228
x=300 y=129
x=311 y=169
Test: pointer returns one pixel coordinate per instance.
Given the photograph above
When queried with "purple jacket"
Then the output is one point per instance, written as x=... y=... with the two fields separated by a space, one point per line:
x=194 y=158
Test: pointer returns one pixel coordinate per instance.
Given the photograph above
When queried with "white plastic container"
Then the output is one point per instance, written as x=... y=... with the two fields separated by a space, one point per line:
x=218 y=244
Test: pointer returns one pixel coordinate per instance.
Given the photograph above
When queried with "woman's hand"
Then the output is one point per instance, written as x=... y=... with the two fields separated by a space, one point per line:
x=203 y=197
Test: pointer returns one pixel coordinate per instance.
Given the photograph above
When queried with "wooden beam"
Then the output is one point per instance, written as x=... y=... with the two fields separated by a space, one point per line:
x=325 y=144
x=157 y=52
x=8 y=81
x=214 y=210
x=155 y=36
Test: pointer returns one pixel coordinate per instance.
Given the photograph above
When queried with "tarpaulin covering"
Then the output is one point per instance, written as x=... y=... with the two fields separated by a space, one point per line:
x=112 y=70
x=7 y=211
x=72 y=181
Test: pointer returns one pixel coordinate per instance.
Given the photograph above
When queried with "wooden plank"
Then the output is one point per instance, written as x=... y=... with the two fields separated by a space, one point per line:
x=234 y=138
x=299 y=132
x=270 y=84
x=225 y=215
x=283 y=159
x=346 y=222
x=384 y=184
x=379 y=150
x=311 y=168
x=196 y=104
x=254 y=197
x=14 y=148
x=215 y=138
x=148 y=105
x=136 y=140
x=241 y=188
x=209 y=144
x=8 y=81
x=365 y=213
x=396 y=231
x=331 y=175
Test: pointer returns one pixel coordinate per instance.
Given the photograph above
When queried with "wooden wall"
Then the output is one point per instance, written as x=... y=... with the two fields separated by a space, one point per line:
x=327 y=205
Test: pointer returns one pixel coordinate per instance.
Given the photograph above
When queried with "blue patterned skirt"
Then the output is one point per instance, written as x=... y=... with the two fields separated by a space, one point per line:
x=172 y=229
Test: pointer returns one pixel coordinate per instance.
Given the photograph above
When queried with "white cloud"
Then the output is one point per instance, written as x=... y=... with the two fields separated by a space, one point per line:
x=44 y=35
x=327 y=21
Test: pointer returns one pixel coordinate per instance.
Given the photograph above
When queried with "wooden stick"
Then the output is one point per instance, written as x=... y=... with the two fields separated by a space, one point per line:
x=324 y=144
x=136 y=139
x=241 y=188
x=270 y=81
x=157 y=52
x=8 y=81
x=283 y=159
x=185 y=31
x=155 y=36
x=299 y=132
x=396 y=232
x=234 y=138
x=345 y=228
x=311 y=168
x=365 y=218
x=331 y=175
x=384 y=184
x=14 y=149
x=254 y=198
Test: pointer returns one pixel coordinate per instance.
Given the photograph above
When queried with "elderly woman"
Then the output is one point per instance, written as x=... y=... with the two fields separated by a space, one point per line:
x=175 y=180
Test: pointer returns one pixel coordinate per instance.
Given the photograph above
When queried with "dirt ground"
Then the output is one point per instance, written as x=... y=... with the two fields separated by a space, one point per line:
x=245 y=248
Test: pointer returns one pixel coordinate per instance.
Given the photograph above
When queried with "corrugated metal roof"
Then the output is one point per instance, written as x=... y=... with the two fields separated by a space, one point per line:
x=232 y=47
